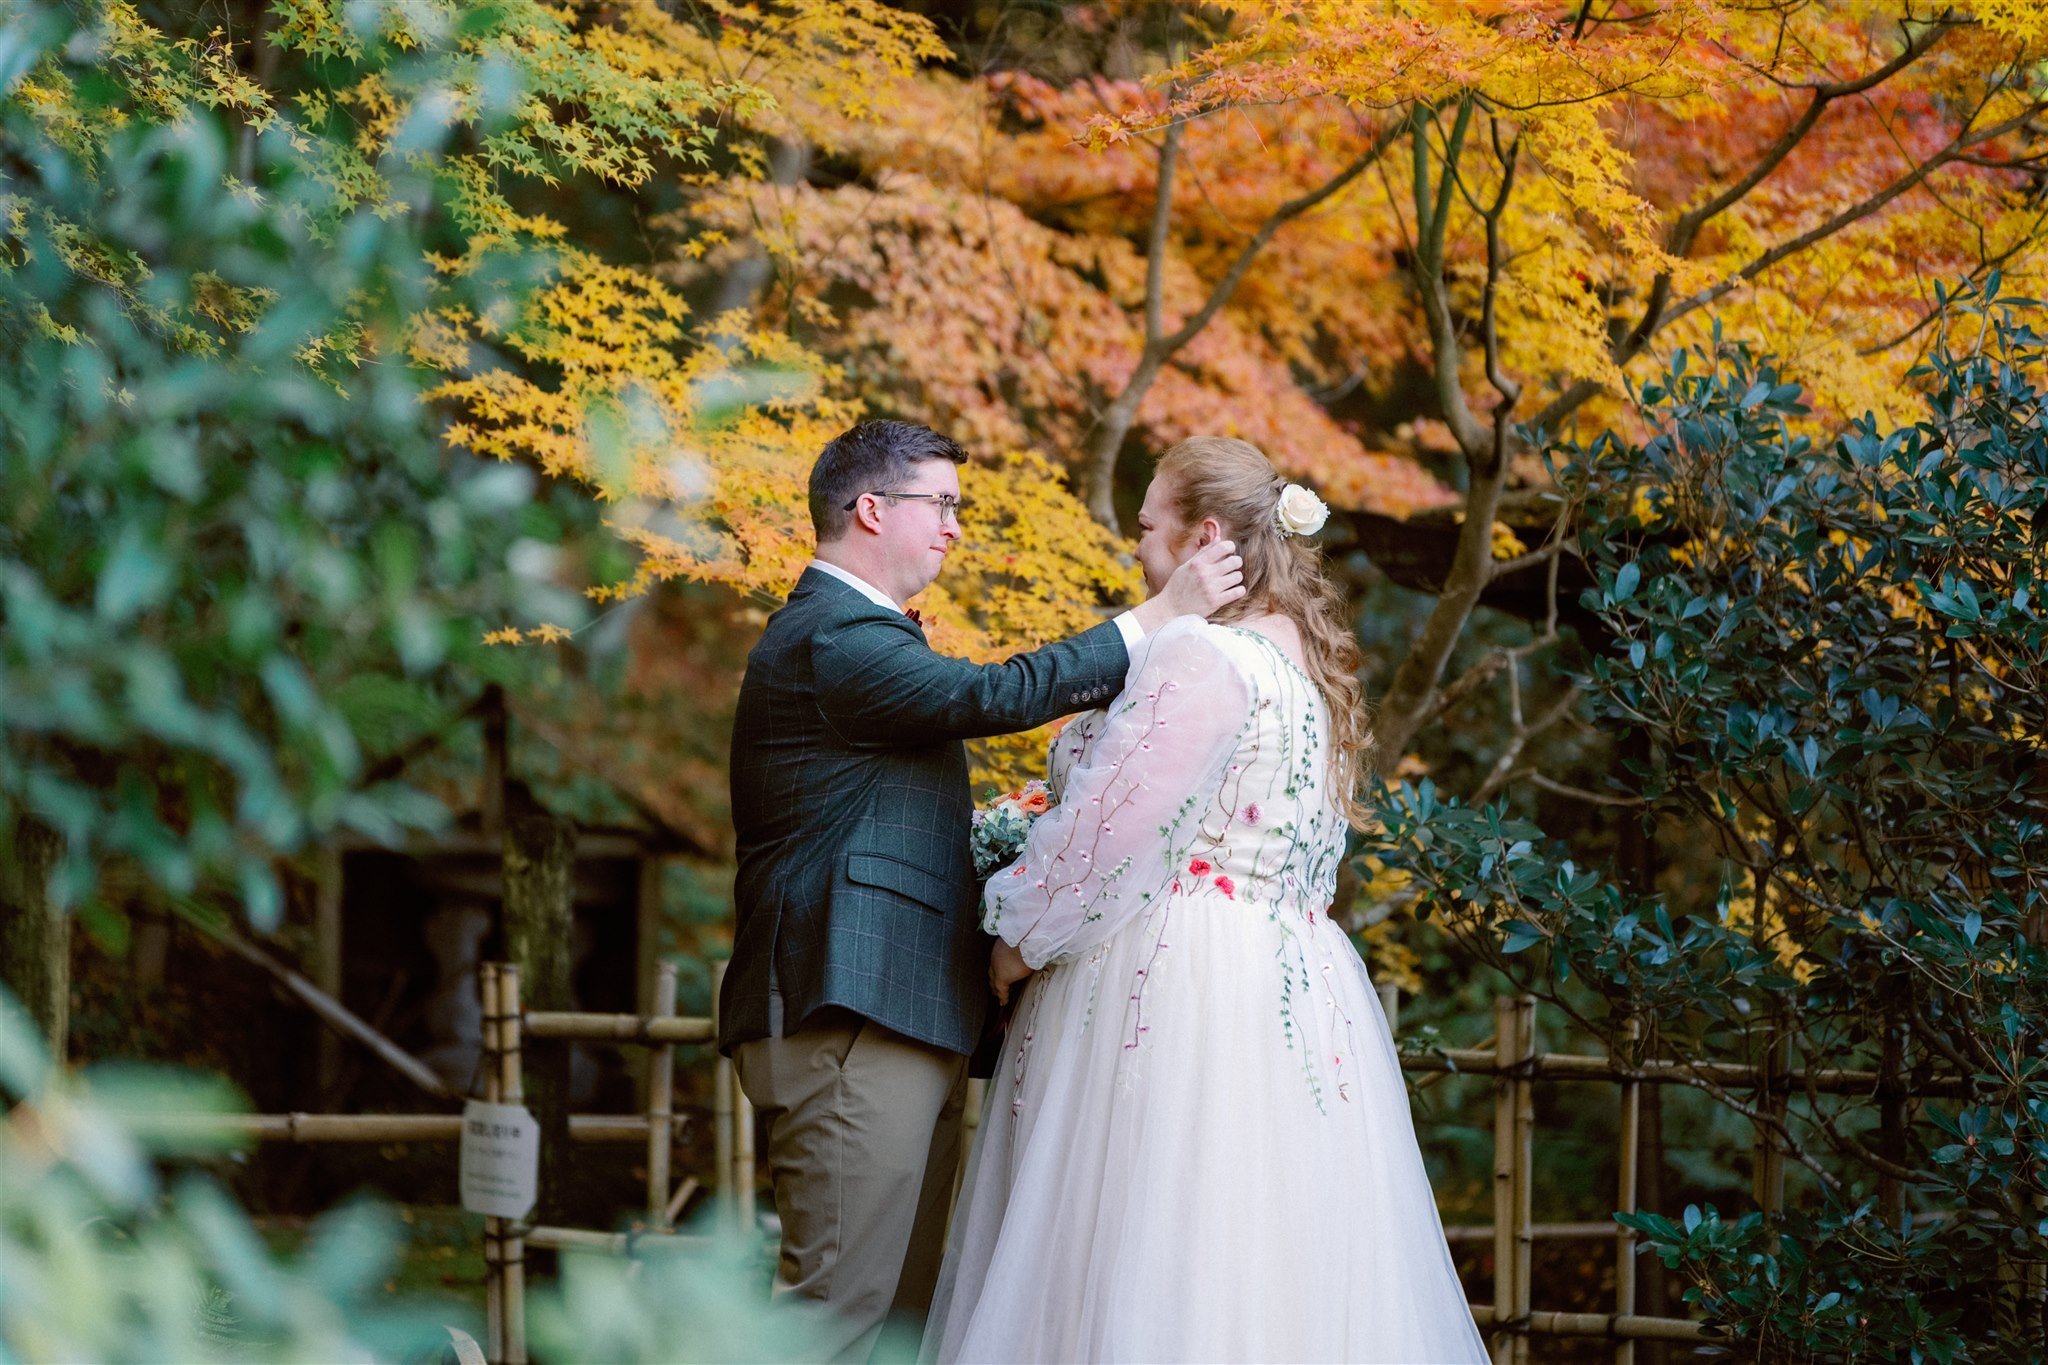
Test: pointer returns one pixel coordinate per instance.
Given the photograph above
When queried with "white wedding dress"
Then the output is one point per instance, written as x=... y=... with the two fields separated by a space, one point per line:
x=1197 y=1146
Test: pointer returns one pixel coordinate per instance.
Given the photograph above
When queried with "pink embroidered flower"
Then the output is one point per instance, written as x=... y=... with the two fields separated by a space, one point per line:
x=1199 y=866
x=1227 y=887
x=1251 y=813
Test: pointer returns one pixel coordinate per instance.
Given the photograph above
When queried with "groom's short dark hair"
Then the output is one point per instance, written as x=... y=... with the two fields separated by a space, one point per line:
x=871 y=457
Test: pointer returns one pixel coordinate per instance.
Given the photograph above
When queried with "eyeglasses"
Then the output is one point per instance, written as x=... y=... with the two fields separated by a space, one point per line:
x=949 y=505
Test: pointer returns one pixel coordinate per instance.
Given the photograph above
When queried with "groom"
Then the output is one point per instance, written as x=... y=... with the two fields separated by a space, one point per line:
x=858 y=982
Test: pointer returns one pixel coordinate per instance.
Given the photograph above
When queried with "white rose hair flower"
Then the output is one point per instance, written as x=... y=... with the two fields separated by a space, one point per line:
x=1299 y=512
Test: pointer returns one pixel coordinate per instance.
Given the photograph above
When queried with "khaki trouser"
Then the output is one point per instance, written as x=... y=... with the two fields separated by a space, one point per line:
x=863 y=1146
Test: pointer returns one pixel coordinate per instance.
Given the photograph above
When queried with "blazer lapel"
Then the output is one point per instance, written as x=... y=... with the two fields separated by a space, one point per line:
x=842 y=595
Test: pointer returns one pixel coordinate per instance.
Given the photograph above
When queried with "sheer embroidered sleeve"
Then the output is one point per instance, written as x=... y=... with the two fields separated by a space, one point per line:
x=1132 y=807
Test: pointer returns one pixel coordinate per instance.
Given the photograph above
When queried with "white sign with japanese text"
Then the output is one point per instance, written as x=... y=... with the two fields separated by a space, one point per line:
x=499 y=1171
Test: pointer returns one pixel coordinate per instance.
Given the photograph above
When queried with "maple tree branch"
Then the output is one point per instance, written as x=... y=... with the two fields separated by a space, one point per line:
x=1155 y=240
x=1432 y=214
x=1524 y=731
x=1454 y=146
x=1107 y=436
x=1410 y=694
x=1853 y=214
x=2026 y=240
x=1551 y=784
x=1407 y=701
x=1581 y=390
x=1529 y=561
x=1684 y=232
x=1489 y=329
x=1686 y=229
x=1279 y=218
x=1466 y=683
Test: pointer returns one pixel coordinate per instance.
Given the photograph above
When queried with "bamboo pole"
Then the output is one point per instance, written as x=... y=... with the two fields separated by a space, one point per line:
x=1502 y=1347
x=1568 y=1066
x=512 y=1084
x=1600 y=1325
x=617 y=1243
x=1525 y=1169
x=723 y=1085
x=1542 y=1232
x=661 y=1087
x=647 y=924
x=745 y=1186
x=494 y=1244
x=297 y=1127
x=650 y=1030
x=333 y=1012
x=686 y=1188
x=1625 y=1196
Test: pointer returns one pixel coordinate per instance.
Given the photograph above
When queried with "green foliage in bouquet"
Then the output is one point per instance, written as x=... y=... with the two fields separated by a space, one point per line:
x=1829 y=661
x=1001 y=827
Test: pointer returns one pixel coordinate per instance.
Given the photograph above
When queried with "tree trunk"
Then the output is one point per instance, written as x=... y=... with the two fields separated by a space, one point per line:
x=35 y=932
x=540 y=860
x=1107 y=445
x=1400 y=712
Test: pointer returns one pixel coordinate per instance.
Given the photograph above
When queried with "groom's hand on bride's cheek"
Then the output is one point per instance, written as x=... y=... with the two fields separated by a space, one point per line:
x=1211 y=579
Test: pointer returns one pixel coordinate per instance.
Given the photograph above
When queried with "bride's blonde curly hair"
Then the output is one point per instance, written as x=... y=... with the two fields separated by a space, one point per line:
x=1233 y=481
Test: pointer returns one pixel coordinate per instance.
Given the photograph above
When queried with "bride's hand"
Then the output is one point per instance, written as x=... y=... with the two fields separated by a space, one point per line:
x=1005 y=969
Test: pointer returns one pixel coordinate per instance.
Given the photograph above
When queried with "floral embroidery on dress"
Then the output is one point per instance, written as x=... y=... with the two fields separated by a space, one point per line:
x=1201 y=790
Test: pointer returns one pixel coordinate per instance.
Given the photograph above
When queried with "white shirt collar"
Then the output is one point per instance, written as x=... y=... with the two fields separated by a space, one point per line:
x=858 y=584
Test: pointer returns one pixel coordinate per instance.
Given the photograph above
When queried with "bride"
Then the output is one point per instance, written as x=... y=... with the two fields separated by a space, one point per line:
x=1197 y=1144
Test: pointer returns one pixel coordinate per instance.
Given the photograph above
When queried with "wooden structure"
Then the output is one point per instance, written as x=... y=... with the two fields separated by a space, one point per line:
x=510 y=878
x=505 y=1242
x=1515 y=1066
x=1510 y=1321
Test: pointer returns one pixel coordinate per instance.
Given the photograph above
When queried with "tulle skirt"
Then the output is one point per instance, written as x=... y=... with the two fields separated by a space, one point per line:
x=1198 y=1148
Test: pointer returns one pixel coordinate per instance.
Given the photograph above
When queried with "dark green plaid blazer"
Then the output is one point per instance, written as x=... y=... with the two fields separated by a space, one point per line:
x=850 y=801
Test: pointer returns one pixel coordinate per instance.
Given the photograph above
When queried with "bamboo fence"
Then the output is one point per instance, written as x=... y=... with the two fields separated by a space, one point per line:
x=1511 y=1320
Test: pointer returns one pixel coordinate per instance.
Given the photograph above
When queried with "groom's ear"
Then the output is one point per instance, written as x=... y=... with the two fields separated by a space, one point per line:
x=867 y=513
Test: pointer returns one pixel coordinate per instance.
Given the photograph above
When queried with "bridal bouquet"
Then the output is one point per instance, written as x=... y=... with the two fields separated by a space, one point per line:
x=999 y=831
